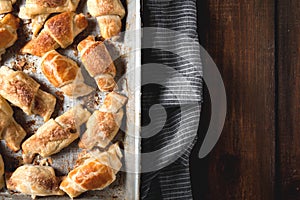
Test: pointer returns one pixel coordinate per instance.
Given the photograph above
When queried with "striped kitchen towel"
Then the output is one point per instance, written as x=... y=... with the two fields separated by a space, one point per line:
x=171 y=97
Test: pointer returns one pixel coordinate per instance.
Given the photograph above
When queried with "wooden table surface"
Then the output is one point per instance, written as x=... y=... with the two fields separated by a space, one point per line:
x=256 y=46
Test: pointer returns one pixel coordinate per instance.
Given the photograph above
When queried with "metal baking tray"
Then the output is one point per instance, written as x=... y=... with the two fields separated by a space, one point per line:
x=126 y=54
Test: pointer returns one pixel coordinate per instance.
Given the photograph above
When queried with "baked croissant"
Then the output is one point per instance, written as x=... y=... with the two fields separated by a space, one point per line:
x=8 y=32
x=59 y=31
x=109 y=14
x=1 y=172
x=98 y=63
x=6 y=6
x=35 y=181
x=56 y=134
x=104 y=124
x=39 y=10
x=93 y=171
x=64 y=73
x=10 y=130
x=22 y=91
x=44 y=104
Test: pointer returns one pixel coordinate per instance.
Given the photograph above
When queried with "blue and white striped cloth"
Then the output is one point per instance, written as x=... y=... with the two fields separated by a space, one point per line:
x=181 y=99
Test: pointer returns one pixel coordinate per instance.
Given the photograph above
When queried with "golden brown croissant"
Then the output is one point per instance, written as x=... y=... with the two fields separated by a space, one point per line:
x=109 y=14
x=22 y=91
x=39 y=10
x=35 y=181
x=64 y=73
x=6 y=6
x=1 y=172
x=103 y=125
x=10 y=130
x=8 y=32
x=44 y=104
x=59 y=31
x=56 y=134
x=98 y=63
x=37 y=7
x=93 y=171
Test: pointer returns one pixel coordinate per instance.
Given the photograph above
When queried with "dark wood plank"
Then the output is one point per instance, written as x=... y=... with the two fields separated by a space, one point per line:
x=289 y=98
x=239 y=35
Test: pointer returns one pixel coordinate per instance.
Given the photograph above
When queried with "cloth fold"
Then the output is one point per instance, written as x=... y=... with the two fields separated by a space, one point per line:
x=169 y=130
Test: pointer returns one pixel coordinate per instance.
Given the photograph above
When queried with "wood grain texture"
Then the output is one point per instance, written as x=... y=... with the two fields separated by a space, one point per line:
x=288 y=29
x=240 y=37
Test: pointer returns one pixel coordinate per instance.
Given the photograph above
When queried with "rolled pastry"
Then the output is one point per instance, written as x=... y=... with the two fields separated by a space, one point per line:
x=59 y=31
x=93 y=171
x=8 y=32
x=35 y=181
x=6 y=6
x=64 y=73
x=104 y=124
x=22 y=91
x=98 y=63
x=10 y=130
x=39 y=10
x=56 y=134
x=109 y=14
